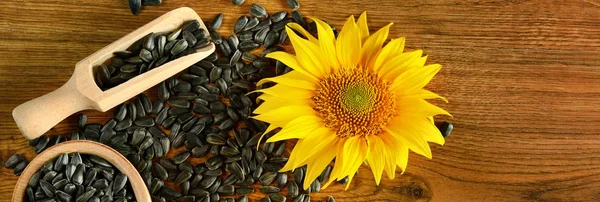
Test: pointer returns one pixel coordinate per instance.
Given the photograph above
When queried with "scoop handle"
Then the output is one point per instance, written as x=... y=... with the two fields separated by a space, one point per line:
x=37 y=116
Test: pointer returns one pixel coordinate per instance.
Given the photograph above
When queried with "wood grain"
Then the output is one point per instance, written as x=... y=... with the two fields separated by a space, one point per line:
x=522 y=78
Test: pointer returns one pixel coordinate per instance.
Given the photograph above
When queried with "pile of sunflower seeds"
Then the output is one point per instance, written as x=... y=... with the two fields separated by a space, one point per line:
x=75 y=177
x=150 y=52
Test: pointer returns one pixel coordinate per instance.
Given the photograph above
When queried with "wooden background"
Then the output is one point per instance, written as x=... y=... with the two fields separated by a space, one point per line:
x=522 y=77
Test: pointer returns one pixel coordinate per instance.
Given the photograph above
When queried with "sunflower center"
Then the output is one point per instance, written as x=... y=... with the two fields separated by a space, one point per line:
x=354 y=102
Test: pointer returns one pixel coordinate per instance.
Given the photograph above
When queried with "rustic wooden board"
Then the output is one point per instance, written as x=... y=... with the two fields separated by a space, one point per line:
x=522 y=78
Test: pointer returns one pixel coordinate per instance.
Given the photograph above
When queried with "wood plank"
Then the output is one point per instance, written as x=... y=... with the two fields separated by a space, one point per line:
x=521 y=76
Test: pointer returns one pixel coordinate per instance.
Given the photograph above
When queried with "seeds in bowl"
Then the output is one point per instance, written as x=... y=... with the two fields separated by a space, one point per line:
x=79 y=177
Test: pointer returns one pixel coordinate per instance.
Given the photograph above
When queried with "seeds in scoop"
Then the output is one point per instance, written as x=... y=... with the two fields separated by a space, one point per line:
x=179 y=47
x=182 y=177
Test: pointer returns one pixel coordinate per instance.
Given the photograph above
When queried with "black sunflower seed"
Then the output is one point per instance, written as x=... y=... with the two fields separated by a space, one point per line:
x=315 y=186
x=330 y=199
x=182 y=177
x=299 y=175
x=267 y=178
x=214 y=162
x=41 y=144
x=169 y=193
x=258 y=11
x=248 y=46
x=325 y=174
x=281 y=24
x=181 y=157
x=269 y=189
x=277 y=197
x=86 y=195
x=216 y=21
x=13 y=161
x=179 y=47
x=246 y=35
x=281 y=179
x=445 y=128
x=271 y=39
x=215 y=37
x=292 y=190
x=276 y=17
x=240 y=24
x=135 y=6
x=206 y=182
x=261 y=35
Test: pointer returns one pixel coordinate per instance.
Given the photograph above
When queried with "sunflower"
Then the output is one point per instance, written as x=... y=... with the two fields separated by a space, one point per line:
x=351 y=99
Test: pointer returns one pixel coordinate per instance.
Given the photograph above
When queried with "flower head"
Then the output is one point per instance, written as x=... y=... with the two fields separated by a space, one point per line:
x=351 y=99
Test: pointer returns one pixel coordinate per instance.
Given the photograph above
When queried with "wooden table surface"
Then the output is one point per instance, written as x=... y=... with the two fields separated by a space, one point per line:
x=522 y=77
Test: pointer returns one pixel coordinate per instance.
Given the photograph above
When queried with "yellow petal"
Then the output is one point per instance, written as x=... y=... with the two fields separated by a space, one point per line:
x=392 y=68
x=402 y=158
x=391 y=148
x=415 y=79
x=291 y=61
x=373 y=44
x=313 y=143
x=289 y=80
x=393 y=49
x=284 y=91
x=417 y=107
x=348 y=44
x=362 y=26
x=302 y=31
x=327 y=44
x=376 y=157
x=285 y=113
x=339 y=164
x=425 y=94
x=271 y=102
x=355 y=153
x=316 y=166
x=298 y=128
x=414 y=141
x=308 y=54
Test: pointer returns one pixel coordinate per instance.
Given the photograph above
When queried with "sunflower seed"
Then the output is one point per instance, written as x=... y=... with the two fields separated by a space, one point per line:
x=344 y=180
x=281 y=24
x=299 y=175
x=41 y=144
x=77 y=177
x=87 y=194
x=189 y=37
x=237 y=2
x=269 y=189
x=135 y=6
x=169 y=193
x=261 y=35
x=292 y=190
x=258 y=11
x=13 y=161
x=248 y=46
x=298 y=18
x=299 y=198
x=246 y=35
x=276 y=17
x=267 y=178
x=146 y=143
x=122 y=125
x=206 y=182
x=325 y=174
x=445 y=128
x=181 y=157
x=277 y=197
x=214 y=162
x=179 y=47
x=215 y=37
x=216 y=21
x=240 y=24
x=182 y=177
x=271 y=39
x=315 y=186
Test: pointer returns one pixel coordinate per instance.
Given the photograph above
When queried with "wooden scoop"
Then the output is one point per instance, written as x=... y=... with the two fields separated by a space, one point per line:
x=83 y=147
x=37 y=116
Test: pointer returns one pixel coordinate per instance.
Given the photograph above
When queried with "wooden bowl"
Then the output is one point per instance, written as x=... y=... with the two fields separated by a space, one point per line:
x=83 y=147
